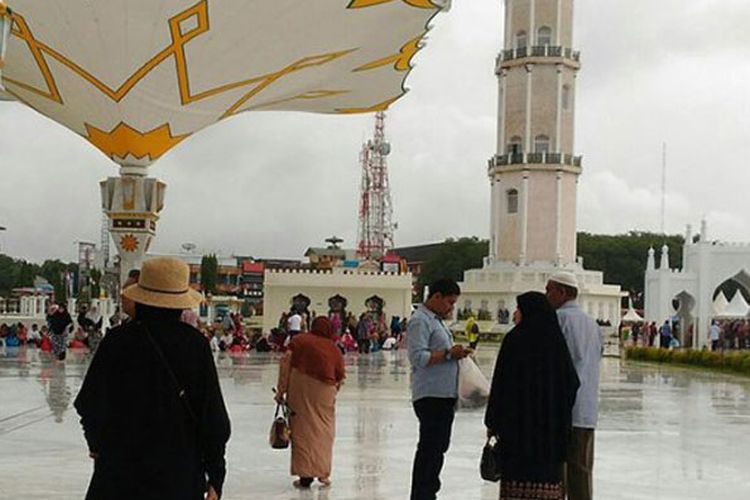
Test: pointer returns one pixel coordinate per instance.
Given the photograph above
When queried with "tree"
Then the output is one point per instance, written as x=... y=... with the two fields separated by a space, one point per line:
x=95 y=281
x=9 y=273
x=453 y=258
x=622 y=257
x=209 y=273
x=54 y=272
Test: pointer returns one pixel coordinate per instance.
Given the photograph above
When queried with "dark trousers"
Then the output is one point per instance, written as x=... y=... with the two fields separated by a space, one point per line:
x=364 y=346
x=435 y=423
x=579 y=467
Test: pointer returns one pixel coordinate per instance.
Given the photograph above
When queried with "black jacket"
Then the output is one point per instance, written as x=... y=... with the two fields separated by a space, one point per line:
x=148 y=445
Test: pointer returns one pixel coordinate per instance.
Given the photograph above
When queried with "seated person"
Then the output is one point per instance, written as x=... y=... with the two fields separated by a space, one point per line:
x=390 y=344
x=348 y=341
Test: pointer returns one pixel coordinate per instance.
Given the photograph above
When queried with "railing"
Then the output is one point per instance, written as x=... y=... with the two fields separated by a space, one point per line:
x=540 y=51
x=535 y=159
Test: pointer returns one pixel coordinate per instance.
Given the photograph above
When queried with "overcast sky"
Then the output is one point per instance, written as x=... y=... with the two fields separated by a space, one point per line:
x=272 y=184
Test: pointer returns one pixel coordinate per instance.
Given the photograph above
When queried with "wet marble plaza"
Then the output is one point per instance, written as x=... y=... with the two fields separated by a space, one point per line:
x=665 y=433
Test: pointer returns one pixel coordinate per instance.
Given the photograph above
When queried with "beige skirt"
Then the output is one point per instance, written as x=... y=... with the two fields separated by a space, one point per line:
x=313 y=425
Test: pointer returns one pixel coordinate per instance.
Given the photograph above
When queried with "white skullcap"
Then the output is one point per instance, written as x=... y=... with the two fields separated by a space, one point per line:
x=565 y=278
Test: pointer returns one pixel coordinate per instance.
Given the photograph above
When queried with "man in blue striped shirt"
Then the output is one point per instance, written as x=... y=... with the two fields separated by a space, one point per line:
x=584 y=340
x=434 y=384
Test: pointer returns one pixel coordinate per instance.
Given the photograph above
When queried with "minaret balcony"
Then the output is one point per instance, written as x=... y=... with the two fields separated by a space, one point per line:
x=539 y=51
x=535 y=159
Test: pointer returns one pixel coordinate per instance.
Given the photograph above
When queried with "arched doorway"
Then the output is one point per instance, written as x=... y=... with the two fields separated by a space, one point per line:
x=337 y=313
x=375 y=307
x=731 y=309
x=683 y=324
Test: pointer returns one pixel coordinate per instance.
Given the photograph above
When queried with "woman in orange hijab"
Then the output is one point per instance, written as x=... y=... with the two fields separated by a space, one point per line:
x=310 y=376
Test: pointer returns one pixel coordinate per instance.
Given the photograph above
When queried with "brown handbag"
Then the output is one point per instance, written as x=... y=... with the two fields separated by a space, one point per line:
x=280 y=431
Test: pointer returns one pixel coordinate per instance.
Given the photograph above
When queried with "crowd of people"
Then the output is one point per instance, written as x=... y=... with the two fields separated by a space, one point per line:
x=364 y=334
x=649 y=334
x=729 y=334
x=59 y=333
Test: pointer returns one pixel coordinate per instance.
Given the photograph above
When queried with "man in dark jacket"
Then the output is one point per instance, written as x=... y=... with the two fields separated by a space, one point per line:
x=151 y=405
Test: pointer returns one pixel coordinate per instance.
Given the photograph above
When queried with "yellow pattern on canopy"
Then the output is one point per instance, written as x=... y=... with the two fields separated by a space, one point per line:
x=137 y=77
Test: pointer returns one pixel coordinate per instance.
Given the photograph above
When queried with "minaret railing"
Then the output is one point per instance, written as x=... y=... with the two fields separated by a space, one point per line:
x=540 y=51
x=535 y=159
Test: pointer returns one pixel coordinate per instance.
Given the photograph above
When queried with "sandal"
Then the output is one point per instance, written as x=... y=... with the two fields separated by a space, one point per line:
x=302 y=484
x=325 y=481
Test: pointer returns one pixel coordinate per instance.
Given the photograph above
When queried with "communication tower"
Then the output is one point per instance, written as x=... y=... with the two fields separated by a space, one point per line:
x=375 y=231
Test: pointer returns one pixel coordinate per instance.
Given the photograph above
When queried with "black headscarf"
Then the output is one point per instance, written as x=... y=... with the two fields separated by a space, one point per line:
x=534 y=386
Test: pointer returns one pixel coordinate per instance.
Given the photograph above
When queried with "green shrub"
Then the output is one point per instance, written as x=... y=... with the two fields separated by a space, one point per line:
x=736 y=362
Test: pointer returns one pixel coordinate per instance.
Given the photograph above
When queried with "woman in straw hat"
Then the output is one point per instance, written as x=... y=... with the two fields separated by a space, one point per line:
x=150 y=405
x=310 y=375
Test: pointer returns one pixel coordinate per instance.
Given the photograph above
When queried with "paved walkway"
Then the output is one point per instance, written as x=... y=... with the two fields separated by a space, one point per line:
x=665 y=433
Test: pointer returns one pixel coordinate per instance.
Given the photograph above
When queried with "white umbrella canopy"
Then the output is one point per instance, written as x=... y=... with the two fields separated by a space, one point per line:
x=137 y=77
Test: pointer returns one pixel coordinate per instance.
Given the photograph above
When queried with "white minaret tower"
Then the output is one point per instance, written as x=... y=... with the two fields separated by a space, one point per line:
x=534 y=175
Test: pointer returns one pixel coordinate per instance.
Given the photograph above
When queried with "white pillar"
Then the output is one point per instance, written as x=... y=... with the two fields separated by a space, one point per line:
x=558 y=218
x=524 y=216
x=558 y=116
x=508 y=24
x=500 y=197
x=502 y=100
x=529 y=91
x=651 y=260
x=493 y=217
x=532 y=21
x=132 y=202
x=558 y=28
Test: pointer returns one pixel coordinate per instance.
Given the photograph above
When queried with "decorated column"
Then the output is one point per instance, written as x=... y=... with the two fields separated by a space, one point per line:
x=5 y=22
x=132 y=202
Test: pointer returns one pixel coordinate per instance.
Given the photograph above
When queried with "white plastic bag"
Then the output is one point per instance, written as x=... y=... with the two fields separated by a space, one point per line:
x=473 y=387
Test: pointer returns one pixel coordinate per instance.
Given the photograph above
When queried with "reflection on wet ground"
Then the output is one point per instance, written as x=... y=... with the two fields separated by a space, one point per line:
x=664 y=433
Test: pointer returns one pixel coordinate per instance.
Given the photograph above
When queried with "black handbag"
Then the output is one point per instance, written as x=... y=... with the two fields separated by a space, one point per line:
x=490 y=467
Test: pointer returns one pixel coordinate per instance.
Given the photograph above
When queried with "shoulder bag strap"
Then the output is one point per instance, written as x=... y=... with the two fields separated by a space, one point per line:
x=181 y=393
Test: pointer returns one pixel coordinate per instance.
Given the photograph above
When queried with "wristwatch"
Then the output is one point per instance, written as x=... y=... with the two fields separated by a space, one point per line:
x=448 y=355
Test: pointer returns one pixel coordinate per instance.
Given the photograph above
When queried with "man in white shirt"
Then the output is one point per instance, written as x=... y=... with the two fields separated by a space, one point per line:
x=34 y=335
x=294 y=324
x=714 y=334
x=584 y=340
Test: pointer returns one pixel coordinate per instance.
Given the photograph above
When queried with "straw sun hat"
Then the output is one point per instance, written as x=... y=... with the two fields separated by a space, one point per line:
x=164 y=282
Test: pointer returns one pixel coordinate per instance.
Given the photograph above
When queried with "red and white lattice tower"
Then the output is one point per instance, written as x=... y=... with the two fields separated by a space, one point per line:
x=375 y=232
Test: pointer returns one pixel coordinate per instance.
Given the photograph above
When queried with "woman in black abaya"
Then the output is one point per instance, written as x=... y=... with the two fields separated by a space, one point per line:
x=529 y=411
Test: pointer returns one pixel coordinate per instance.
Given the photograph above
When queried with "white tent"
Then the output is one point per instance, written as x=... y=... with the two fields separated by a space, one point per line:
x=720 y=303
x=631 y=316
x=737 y=308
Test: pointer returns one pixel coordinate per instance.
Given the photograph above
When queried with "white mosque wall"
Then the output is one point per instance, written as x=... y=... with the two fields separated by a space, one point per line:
x=706 y=265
